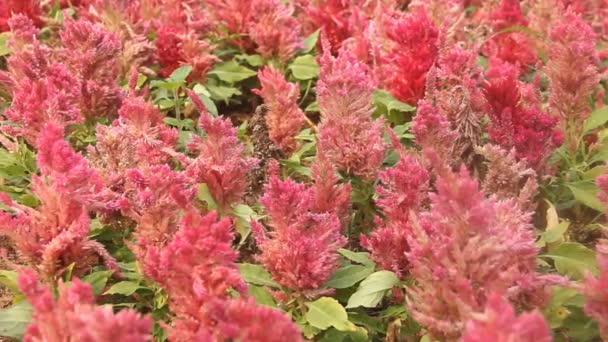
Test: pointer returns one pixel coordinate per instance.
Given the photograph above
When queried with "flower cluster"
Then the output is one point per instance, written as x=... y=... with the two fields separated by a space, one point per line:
x=465 y=248
x=499 y=323
x=348 y=136
x=301 y=250
x=516 y=118
x=197 y=269
x=74 y=315
x=284 y=118
x=596 y=290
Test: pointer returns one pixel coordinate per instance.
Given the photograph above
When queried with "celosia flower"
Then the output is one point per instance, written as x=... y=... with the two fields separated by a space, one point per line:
x=498 y=323
x=221 y=162
x=243 y=320
x=53 y=97
x=506 y=177
x=234 y=17
x=401 y=191
x=275 y=31
x=137 y=139
x=69 y=171
x=197 y=269
x=595 y=290
x=348 y=136
x=284 y=118
x=339 y=20
x=75 y=317
x=596 y=296
x=573 y=73
x=465 y=248
x=154 y=197
x=412 y=50
x=301 y=251
x=92 y=53
x=29 y=8
x=515 y=124
x=53 y=235
x=432 y=130
x=176 y=47
x=327 y=194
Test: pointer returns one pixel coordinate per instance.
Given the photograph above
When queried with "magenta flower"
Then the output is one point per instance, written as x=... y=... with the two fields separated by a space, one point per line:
x=284 y=118
x=465 y=248
x=274 y=30
x=301 y=251
x=517 y=121
x=402 y=190
x=432 y=130
x=410 y=53
x=573 y=73
x=137 y=139
x=197 y=269
x=74 y=315
x=498 y=323
x=221 y=162
x=92 y=53
x=595 y=290
x=348 y=136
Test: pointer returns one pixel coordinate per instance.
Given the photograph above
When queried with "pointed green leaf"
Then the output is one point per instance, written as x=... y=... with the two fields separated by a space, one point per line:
x=256 y=274
x=372 y=289
x=14 y=319
x=125 y=288
x=358 y=257
x=598 y=118
x=180 y=74
x=573 y=259
x=304 y=68
x=232 y=72
x=311 y=41
x=326 y=312
x=349 y=276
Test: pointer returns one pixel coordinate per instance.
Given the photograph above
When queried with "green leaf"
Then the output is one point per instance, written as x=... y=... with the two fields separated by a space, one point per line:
x=14 y=319
x=311 y=41
x=253 y=60
x=222 y=93
x=349 y=276
x=98 y=280
x=205 y=95
x=244 y=214
x=204 y=194
x=9 y=279
x=372 y=289
x=304 y=68
x=180 y=74
x=358 y=257
x=312 y=107
x=556 y=232
x=125 y=288
x=598 y=118
x=262 y=296
x=326 y=312
x=573 y=259
x=391 y=103
x=231 y=72
x=256 y=274
x=4 y=48
x=586 y=193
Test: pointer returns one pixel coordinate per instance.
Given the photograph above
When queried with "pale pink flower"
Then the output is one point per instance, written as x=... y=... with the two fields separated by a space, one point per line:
x=465 y=248
x=498 y=323
x=197 y=269
x=74 y=315
x=348 y=136
x=401 y=191
x=275 y=31
x=432 y=130
x=595 y=290
x=284 y=118
x=573 y=73
x=301 y=250
x=53 y=235
x=220 y=160
x=92 y=53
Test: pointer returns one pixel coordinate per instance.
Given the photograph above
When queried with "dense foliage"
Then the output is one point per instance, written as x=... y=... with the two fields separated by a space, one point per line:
x=326 y=170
